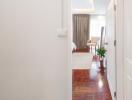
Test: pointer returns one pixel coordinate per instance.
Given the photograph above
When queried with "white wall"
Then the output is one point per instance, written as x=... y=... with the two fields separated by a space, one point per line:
x=120 y=49
x=128 y=49
x=111 y=54
x=96 y=22
x=33 y=60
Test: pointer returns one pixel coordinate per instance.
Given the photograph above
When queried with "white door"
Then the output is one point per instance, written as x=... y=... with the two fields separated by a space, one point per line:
x=128 y=48
x=110 y=37
x=33 y=56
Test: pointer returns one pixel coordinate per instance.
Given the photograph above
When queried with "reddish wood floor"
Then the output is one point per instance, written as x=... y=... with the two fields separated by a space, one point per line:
x=90 y=84
x=87 y=49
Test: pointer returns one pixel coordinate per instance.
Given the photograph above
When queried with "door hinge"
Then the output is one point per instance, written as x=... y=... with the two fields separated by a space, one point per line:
x=115 y=7
x=115 y=42
x=115 y=94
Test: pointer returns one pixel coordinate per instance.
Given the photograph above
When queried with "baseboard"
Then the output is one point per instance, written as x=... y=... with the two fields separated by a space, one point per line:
x=111 y=88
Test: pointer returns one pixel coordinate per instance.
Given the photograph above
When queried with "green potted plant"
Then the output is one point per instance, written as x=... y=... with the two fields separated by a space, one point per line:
x=101 y=52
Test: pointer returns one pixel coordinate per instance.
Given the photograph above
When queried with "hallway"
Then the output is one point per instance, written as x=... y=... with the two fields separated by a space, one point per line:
x=90 y=84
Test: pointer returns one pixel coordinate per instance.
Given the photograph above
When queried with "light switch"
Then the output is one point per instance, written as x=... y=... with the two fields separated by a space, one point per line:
x=62 y=33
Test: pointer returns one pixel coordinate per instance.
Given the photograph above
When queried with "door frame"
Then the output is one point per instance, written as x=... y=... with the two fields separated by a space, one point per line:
x=69 y=23
x=119 y=49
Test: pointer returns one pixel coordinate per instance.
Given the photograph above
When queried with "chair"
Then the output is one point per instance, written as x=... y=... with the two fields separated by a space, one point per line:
x=93 y=42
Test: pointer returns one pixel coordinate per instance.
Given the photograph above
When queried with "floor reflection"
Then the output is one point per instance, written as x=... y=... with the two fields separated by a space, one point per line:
x=90 y=84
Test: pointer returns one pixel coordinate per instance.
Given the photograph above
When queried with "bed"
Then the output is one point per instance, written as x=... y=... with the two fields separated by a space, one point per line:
x=82 y=60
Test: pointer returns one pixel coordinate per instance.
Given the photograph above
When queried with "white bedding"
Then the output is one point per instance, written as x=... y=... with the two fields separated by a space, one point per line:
x=82 y=60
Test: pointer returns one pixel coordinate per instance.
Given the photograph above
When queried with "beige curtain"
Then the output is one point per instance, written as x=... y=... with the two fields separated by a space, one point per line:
x=80 y=30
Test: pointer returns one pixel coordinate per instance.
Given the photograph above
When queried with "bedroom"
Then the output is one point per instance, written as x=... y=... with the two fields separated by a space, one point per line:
x=88 y=23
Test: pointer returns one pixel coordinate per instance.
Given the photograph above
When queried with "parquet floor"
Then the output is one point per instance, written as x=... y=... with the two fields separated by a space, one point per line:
x=90 y=84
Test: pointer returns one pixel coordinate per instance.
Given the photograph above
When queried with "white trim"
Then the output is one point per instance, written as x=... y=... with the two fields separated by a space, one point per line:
x=120 y=49
x=111 y=88
x=69 y=15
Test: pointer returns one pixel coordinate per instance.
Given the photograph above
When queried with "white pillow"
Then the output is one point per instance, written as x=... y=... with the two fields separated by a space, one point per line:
x=73 y=46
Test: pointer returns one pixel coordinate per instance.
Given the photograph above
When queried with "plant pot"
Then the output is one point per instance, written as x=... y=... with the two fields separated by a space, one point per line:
x=101 y=65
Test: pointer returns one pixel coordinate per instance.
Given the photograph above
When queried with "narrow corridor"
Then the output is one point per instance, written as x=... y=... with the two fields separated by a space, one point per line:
x=90 y=84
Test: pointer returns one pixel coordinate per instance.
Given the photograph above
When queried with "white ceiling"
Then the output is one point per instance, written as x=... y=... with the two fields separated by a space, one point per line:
x=90 y=6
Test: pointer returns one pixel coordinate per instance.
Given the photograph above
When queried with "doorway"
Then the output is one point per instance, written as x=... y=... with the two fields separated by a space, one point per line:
x=97 y=19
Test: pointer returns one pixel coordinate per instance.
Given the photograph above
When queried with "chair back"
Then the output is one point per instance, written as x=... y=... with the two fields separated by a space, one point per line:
x=95 y=39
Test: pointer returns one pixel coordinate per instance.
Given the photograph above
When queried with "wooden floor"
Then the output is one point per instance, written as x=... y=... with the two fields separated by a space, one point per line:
x=90 y=84
x=87 y=49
